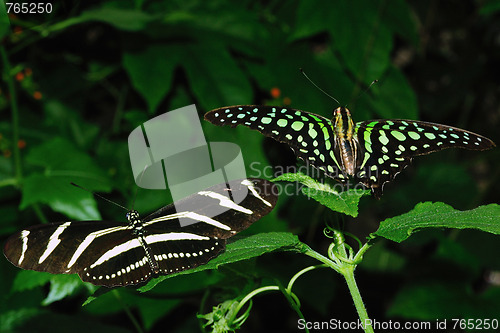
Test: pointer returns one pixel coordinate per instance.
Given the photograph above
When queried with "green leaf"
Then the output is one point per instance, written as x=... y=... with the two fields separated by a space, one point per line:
x=440 y=215
x=214 y=77
x=43 y=320
x=11 y=319
x=149 y=307
x=27 y=279
x=489 y=7
x=218 y=319
x=428 y=301
x=386 y=105
x=60 y=195
x=69 y=123
x=123 y=19
x=344 y=202
x=152 y=310
x=359 y=34
x=399 y=17
x=151 y=72
x=63 y=164
x=382 y=259
x=310 y=20
x=242 y=249
x=61 y=286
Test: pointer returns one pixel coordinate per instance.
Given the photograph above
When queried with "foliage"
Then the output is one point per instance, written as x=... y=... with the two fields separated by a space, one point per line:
x=75 y=82
x=343 y=202
x=439 y=215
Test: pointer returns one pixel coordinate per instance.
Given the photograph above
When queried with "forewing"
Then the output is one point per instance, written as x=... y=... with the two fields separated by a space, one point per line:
x=391 y=144
x=309 y=135
x=220 y=211
x=57 y=247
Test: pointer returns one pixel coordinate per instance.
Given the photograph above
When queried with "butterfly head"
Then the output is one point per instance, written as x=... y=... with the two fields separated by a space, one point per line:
x=132 y=216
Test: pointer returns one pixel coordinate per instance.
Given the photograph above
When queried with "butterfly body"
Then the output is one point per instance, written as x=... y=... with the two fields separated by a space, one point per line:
x=346 y=140
x=370 y=152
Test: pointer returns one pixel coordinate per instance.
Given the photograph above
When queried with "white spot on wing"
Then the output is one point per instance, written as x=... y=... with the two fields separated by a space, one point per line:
x=189 y=215
x=24 y=237
x=173 y=236
x=88 y=240
x=117 y=250
x=53 y=241
x=252 y=189
x=225 y=201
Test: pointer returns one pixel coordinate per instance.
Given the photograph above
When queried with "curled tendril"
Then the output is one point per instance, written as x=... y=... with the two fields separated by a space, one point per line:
x=355 y=238
x=328 y=232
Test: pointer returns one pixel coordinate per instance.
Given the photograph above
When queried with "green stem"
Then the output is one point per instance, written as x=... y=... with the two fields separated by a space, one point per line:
x=294 y=303
x=15 y=114
x=361 y=252
x=348 y=273
x=38 y=211
x=296 y=276
x=127 y=311
x=313 y=254
x=291 y=298
x=340 y=263
x=249 y=297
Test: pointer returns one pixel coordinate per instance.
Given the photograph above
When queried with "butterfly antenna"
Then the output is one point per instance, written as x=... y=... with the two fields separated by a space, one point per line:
x=98 y=195
x=314 y=84
x=364 y=91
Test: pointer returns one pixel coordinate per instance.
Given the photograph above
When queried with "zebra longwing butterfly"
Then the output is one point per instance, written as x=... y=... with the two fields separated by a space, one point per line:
x=115 y=254
x=371 y=152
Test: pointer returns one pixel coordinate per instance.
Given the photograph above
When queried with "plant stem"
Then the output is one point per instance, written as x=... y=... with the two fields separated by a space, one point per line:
x=323 y=259
x=361 y=252
x=346 y=267
x=296 y=276
x=252 y=294
x=291 y=298
x=348 y=273
x=15 y=114
x=127 y=311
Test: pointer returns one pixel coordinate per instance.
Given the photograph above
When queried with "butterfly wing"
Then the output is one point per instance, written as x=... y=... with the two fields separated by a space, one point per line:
x=208 y=217
x=391 y=144
x=74 y=247
x=309 y=135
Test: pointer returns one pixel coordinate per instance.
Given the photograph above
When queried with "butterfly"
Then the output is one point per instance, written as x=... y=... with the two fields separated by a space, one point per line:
x=370 y=152
x=180 y=236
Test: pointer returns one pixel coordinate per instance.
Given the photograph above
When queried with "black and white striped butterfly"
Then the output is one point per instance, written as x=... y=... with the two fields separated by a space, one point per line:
x=177 y=237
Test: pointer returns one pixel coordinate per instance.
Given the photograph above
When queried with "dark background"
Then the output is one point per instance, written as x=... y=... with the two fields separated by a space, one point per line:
x=88 y=73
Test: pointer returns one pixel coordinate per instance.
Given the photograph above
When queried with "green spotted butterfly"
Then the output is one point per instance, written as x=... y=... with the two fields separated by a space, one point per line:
x=370 y=152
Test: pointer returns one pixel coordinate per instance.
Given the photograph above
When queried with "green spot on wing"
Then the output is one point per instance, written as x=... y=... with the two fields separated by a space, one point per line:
x=383 y=139
x=430 y=136
x=312 y=132
x=297 y=125
x=398 y=135
x=282 y=122
x=414 y=135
